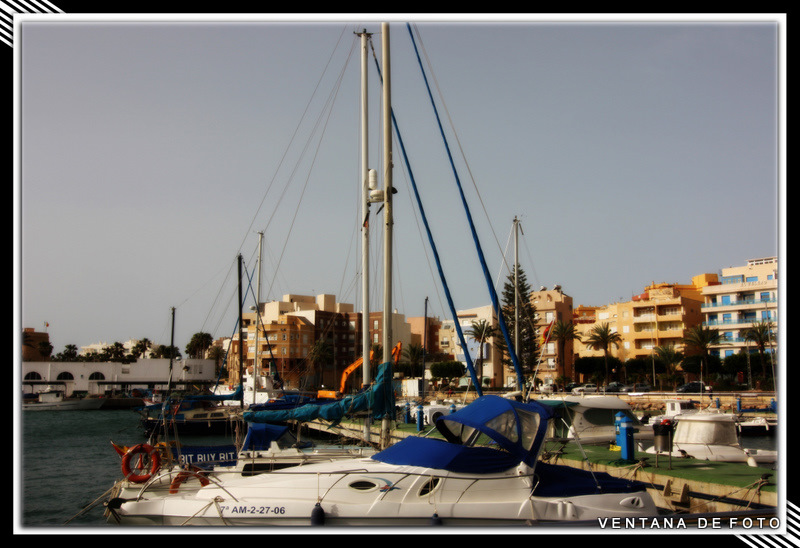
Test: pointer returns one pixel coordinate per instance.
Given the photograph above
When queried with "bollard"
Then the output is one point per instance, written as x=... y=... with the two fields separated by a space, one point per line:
x=419 y=418
x=408 y=413
x=624 y=429
x=717 y=404
x=738 y=404
x=452 y=408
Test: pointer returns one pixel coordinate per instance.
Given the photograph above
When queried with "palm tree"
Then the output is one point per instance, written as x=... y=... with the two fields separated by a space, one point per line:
x=562 y=332
x=216 y=353
x=671 y=359
x=481 y=331
x=413 y=353
x=761 y=334
x=141 y=346
x=702 y=339
x=199 y=343
x=320 y=352
x=601 y=337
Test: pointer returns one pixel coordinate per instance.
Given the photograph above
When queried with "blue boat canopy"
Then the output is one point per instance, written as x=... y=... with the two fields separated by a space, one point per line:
x=517 y=428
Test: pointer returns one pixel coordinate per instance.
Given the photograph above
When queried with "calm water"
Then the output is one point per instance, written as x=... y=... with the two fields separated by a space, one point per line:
x=68 y=463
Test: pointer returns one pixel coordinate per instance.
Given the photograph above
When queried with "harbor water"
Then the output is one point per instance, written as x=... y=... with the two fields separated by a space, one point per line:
x=68 y=464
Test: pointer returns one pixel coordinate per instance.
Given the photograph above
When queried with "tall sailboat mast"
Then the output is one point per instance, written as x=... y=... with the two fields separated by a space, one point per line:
x=388 y=215
x=387 y=196
x=365 y=182
x=256 y=360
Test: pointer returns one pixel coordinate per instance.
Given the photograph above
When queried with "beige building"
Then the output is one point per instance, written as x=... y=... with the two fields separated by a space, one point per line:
x=660 y=316
x=552 y=306
x=743 y=296
x=418 y=325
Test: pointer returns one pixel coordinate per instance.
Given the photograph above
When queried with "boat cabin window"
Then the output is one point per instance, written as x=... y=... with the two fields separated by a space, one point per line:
x=429 y=487
x=606 y=417
x=362 y=485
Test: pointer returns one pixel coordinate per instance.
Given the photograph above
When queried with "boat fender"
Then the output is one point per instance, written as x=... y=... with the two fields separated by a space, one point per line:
x=142 y=448
x=436 y=520
x=317 y=515
x=183 y=475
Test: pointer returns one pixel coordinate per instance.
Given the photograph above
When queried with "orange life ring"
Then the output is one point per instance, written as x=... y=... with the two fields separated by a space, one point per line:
x=141 y=449
x=183 y=475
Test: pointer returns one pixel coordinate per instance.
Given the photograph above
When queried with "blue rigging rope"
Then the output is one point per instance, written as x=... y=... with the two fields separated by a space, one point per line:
x=492 y=292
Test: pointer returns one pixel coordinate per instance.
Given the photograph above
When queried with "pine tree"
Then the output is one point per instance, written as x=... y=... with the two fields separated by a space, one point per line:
x=528 y=345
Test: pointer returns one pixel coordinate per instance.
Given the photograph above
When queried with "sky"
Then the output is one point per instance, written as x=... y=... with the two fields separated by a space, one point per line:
x=150 y=152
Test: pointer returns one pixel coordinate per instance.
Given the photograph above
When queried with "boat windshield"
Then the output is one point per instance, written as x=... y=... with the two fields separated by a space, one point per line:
x=706 y=432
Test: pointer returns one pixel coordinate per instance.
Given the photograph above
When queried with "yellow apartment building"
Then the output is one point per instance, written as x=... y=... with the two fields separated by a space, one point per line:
x=659 y=316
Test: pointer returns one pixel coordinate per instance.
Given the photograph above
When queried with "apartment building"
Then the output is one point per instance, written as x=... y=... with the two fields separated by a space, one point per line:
x=488 y=365
x=419 y=325
x=659 y=316
x=744 y=295
x=552 y=305
x=289 y=330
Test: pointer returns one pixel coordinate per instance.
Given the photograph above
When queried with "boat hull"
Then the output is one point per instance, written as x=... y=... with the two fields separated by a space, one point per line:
x=363 y=492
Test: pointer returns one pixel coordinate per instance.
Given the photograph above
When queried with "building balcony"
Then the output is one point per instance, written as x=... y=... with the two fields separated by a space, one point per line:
x=747 y=303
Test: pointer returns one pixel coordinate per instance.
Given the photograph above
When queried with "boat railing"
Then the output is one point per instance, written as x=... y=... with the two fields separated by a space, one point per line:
x=157 y=481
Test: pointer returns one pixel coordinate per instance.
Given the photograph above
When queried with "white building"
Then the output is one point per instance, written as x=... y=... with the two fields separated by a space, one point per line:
x=100 y=378
x=744 y=296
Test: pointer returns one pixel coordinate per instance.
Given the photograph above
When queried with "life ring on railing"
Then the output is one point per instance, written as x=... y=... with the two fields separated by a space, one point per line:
x=140 y=450
x=183 y=475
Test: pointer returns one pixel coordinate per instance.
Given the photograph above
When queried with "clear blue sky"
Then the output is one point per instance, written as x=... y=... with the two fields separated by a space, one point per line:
x=151 y=152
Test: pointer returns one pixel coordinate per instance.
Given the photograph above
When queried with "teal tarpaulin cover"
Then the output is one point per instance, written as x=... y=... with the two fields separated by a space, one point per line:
x=379 y=399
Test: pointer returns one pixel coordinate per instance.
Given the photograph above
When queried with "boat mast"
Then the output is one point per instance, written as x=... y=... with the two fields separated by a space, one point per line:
x=387 y=191
x=367 y=182
x=171 y=351
x=241 y=340
x=258 y=318
x=516 y=289
x=365 y=188
x=388 y=216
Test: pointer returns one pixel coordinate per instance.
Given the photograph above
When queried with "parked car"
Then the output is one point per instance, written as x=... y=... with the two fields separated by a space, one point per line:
x=636 y=388
x=571 y=386
x=694 y=387
x=613 y=387
x=585 y=389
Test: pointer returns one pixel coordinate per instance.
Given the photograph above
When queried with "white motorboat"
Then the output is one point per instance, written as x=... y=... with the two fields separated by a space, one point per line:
x=453 y=481
x=713 y=437
x=173 y=467
x=592 y=419
x=55 y=401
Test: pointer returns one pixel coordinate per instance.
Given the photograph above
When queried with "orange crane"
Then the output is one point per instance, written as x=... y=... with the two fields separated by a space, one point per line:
x=355 y=365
